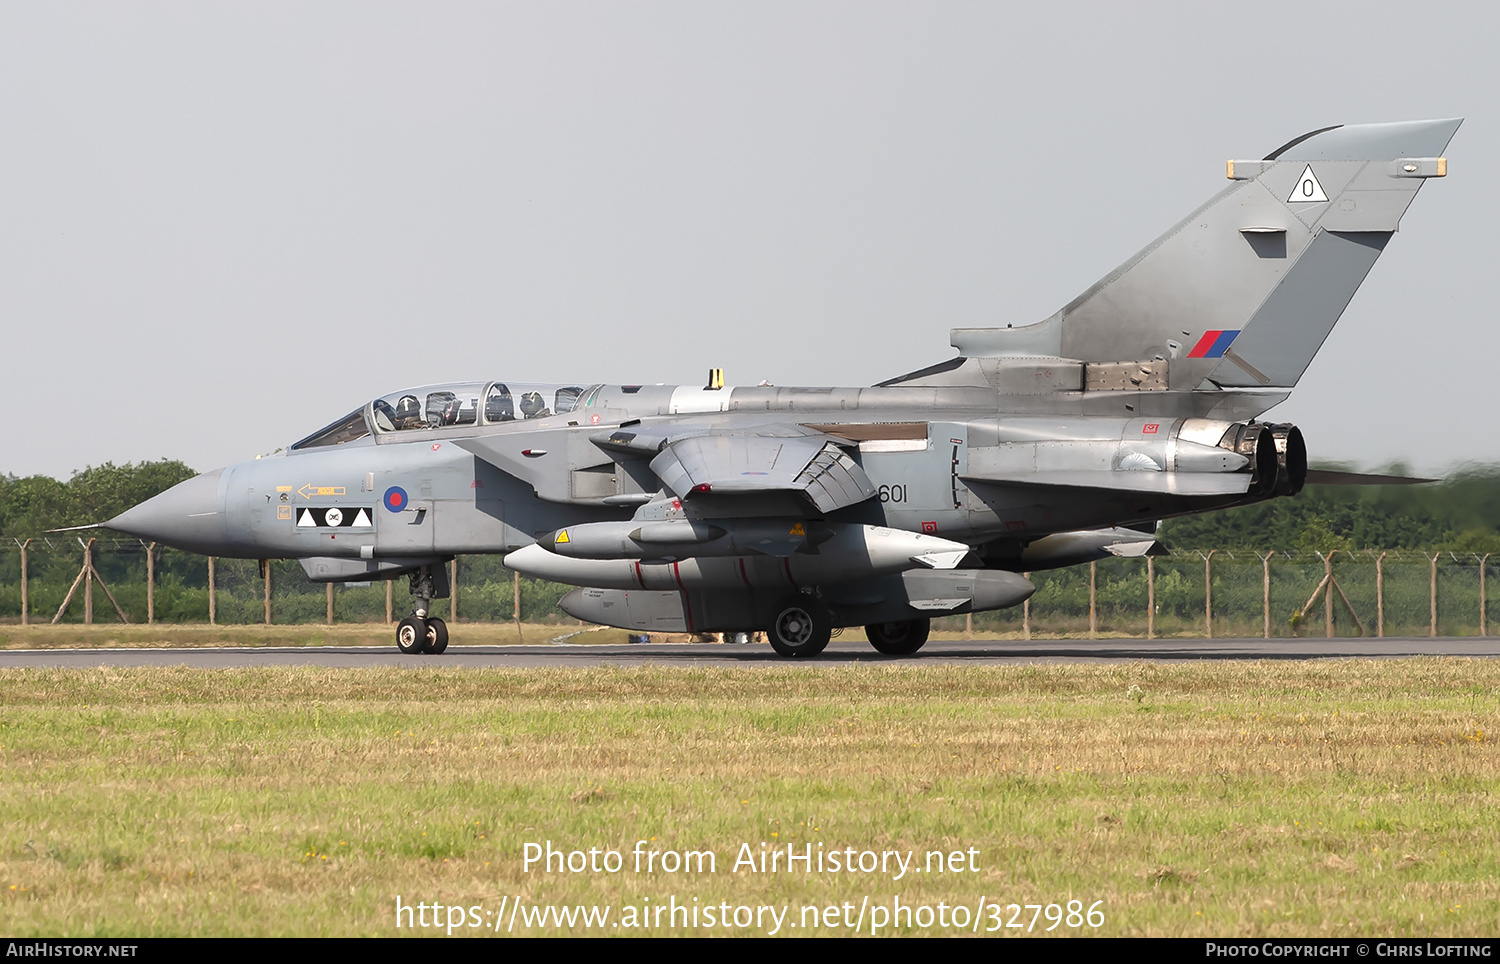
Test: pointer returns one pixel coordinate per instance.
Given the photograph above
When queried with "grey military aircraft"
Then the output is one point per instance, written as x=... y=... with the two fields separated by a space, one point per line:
x=797 y=510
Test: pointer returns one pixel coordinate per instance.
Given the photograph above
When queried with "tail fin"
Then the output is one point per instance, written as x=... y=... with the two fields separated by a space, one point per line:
x=1243 y=292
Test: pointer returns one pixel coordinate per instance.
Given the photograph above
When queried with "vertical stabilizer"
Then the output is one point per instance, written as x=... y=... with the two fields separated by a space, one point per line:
x=1243 y=292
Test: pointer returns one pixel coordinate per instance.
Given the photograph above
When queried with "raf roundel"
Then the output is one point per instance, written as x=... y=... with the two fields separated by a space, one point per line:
x=395 y=498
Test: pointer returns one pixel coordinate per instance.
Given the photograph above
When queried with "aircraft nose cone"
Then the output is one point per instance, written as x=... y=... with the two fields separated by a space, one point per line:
x=186 y=516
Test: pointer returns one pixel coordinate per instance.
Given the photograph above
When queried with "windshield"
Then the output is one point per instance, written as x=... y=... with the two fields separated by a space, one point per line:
x=347 y=429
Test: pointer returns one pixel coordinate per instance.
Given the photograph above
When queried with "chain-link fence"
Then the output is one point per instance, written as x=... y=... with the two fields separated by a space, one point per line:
x=1272 y=594
x=1187 y=592
x=47 y=580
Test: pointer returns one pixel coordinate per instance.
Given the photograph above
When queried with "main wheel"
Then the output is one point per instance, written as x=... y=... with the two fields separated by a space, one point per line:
x=411 y=635
x=437 y=635
x=801 y=628
x=899 y=638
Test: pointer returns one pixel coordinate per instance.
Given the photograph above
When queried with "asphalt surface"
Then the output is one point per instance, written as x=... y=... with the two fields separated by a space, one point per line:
x=972 y=652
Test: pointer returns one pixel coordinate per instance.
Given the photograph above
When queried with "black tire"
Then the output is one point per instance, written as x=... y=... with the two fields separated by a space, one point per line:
x=411 y=635
x=437 y=636
x=899 y=638
x=801 y=628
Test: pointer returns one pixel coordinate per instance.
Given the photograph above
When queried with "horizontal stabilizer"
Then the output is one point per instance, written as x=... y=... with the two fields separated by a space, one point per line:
x=1329 y=477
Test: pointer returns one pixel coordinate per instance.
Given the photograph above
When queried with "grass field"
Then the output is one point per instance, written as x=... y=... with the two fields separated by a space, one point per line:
x=1269 y=798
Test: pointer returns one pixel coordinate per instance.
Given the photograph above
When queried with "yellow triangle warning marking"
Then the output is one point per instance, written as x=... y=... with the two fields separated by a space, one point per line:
x=562 y=536
x=1307 y=188
x=797 y=530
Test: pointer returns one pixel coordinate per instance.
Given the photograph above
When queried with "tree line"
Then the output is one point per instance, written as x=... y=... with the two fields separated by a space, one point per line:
x=1458 y=514
x=30 y=506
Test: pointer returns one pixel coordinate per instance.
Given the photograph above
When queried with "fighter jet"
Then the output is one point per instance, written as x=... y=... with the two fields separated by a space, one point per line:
x=701 y=508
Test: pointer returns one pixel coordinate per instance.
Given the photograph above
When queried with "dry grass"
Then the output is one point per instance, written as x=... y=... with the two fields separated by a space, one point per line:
x=1319 y=798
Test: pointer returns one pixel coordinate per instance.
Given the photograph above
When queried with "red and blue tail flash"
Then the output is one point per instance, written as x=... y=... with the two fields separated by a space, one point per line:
x=1214 y=344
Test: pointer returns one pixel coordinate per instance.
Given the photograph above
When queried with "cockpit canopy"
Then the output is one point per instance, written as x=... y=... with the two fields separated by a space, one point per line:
x=444 y=406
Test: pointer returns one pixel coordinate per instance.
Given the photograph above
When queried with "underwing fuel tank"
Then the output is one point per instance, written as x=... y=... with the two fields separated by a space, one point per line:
x=843 y=553
x=916 y=594
x=671 y=540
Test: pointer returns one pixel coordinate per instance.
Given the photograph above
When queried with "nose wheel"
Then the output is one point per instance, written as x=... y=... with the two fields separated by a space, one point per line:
x=411 y=635
x=437 y=635
x=416 y=635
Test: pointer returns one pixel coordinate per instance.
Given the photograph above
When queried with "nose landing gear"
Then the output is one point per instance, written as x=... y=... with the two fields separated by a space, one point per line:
x=420 y=633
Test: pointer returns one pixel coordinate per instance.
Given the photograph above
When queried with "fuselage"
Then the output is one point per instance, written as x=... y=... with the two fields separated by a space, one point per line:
x=489 y=479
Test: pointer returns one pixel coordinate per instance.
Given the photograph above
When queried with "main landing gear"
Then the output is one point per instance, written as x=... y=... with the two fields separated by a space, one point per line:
x=802 y=627
x=419 y=632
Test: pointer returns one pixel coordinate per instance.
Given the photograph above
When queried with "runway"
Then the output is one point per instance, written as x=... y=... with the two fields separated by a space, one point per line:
x=969 y=652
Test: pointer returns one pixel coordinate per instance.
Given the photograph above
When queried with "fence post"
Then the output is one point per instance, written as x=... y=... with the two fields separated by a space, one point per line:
x=151 y=584
x=1432 y=598
x=1483 y=625
x=1265 y=609
x=86 y=577
x=968 y=625
x=1150 y=597
x=266 y=569
x=1328 y=594
x=1093 y=600
x=88 y=583
x=1026 y=611
x=453 y=590
x=1380 y=595
x=330 y=603
x=25 y=614
x=1208 y=593
x=517 y=608
x=212 y=614
x=388 y=585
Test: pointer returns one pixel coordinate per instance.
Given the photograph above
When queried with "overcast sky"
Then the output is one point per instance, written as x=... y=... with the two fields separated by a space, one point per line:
x=223 y=225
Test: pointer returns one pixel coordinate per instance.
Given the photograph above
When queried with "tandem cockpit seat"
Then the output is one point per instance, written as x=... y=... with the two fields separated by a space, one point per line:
x=499 y=406
x=409 y=413
x=534 y=406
